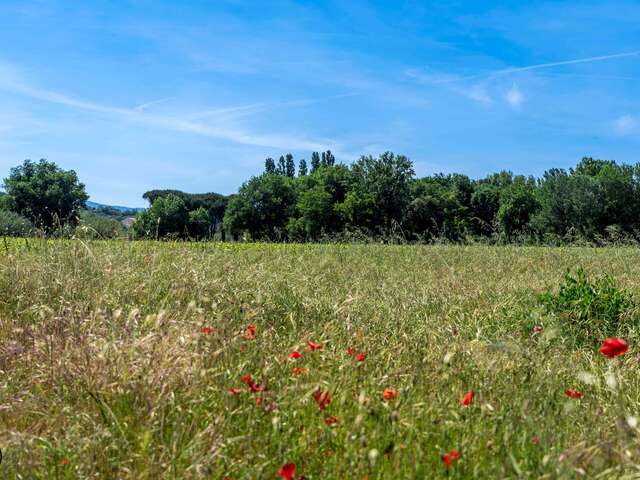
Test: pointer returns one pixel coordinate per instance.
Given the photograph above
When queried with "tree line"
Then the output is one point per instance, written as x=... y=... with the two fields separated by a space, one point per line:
x=597 y=201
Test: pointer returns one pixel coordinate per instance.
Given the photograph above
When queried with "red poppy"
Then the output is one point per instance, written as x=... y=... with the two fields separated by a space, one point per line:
x=448 y=458
x=350 y=351
x=322 y=399
x=313 y=346
x=258 y=401
x=65 y=461
x=572 y=393
x=614 y=347
x=287 y=471
x=537 y=329
x=295 y=355
x=467 y=399
x=250 y=332
x=360 y=357
x=389 y=393
x=242 y=348
x=535 y=440
x=331 y=420
x=206 y=330
x=234 y=391
x=247 y=379
x=299 y=371
x=254 y=387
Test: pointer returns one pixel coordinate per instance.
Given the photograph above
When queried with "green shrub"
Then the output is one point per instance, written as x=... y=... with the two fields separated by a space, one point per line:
x=14 y=225
x=94 y=226
x=589 y=310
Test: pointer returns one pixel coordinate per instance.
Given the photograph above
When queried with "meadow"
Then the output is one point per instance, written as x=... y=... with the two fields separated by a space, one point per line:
x=144 y=360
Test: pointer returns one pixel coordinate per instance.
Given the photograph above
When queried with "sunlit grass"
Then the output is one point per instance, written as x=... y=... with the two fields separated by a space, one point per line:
x=106 y=372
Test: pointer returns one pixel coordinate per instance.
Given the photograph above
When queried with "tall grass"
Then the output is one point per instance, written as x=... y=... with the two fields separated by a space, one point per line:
x=105 y=371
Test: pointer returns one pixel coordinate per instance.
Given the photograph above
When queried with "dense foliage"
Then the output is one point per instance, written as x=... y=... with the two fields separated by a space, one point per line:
x=590 y=308
x=176 y=214
x=98 y=226
x=45 y=194
x=599 y=200
x=14 y=225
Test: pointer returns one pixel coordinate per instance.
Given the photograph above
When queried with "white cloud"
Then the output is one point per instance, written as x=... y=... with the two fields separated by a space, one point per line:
x=626 y=125
x=514 y=96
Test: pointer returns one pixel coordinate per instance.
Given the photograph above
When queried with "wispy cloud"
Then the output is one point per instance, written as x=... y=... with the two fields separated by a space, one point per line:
x=538 y=66
x=11 y=82
x=152 y=103
x=476 y=92
x=514 y=96
x=243 y=110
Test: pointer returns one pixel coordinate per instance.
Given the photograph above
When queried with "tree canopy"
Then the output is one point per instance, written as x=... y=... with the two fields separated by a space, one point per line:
x=45 y=194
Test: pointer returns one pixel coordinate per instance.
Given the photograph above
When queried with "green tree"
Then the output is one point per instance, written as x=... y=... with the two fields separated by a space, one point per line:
x=290 y=167
x=387 y=180
x=269 y=165
x=7 y=203
x=315 y=161
x=45 y=194
x=484 y=203
x=199 y=224
x=262 y=207
x=315 y=208
x=167 y=217
x=302 y=168
x=282 y=166
x=214 y=203
x=518 y=203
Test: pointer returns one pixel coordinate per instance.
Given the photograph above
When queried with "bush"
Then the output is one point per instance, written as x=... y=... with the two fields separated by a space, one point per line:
x=93 y=226
x=14 y=225
x=589 y=310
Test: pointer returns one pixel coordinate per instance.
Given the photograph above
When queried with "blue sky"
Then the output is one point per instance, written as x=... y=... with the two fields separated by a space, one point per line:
x=194 y=95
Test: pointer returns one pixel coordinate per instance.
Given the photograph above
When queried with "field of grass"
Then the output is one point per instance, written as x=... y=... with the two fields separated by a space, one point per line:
x=118 y=360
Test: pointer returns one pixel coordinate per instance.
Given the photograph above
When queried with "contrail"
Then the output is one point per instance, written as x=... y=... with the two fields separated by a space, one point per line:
x=538 y=66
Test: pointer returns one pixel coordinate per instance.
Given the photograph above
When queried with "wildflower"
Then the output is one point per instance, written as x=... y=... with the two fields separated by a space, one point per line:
x=250 y=332
x=572 y=393
x=287 y=471
x=389 y=393
x=614 y=347
x=295 y=355
x=254 y=388
x=535 y=440
x=247 y=379
x=537 y=329
x=350 y=351
x=467 y=399
x=258 y=401
x=322 y=399
x=448 y=458
x=65 y=461
x=331 y=420
x=360 y=357
x=206 y=330
x=234 y=391
x=311 y=346
x=299 y=371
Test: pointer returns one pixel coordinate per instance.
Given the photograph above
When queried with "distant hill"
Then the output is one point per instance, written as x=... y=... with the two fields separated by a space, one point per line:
x=96 y=206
